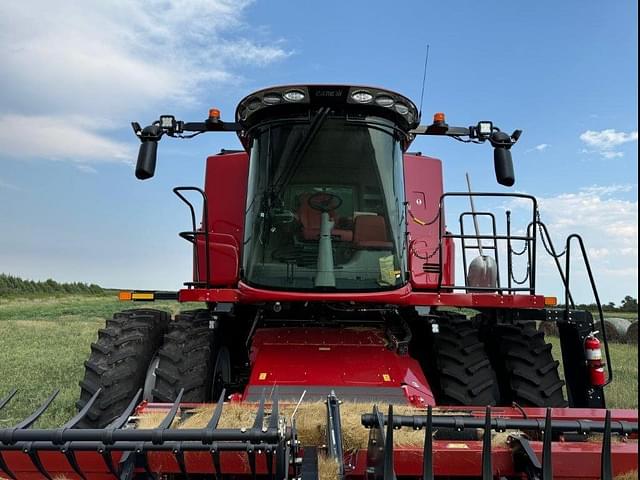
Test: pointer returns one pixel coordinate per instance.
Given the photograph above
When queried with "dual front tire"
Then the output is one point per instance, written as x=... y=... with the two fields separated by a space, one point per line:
x=122 y=362
x=473 y=363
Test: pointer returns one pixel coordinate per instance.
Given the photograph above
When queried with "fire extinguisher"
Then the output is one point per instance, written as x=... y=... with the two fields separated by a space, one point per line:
x=595 y=365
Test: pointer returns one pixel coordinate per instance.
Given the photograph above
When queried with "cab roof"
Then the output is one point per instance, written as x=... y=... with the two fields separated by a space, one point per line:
x=293 y=100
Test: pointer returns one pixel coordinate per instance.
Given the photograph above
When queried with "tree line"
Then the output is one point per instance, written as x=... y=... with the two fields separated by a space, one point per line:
x=627 y=304
x=13 y=286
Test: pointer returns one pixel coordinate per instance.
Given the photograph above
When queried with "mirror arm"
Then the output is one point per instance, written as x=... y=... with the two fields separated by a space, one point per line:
x=210 y=126
x=500 y=141
x=167 y=125
x=442 y=130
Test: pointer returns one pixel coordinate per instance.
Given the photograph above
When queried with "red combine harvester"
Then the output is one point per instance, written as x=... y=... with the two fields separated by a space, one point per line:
x=327 y=273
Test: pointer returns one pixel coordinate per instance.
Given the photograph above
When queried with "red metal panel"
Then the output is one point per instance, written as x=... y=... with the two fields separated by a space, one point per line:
x=223 y=262
x=225 y=295
x=252 y=294
x=57 y=465
x=423 y=188
x=226 y=190
x=476 y=300
x=401 y=296
x=337 y=357
x=231 y=463
x=571 y=460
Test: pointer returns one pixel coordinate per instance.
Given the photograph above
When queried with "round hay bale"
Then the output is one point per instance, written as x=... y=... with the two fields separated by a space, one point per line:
x=549 y=329
x=613 y=334
x=632 y=333
x=620 y=324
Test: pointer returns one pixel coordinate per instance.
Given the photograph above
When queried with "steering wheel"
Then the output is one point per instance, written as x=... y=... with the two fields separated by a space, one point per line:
x=324 y=202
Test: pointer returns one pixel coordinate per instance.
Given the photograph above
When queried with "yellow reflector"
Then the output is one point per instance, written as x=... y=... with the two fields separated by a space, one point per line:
x=142 y=296
x=124 y=296
x=386 y=377
x=550 y=301
x=262 y=376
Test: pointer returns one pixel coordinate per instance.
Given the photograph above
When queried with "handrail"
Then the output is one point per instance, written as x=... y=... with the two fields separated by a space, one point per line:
x=530 y=240
x=551 y=250
x=594 y=290
x=566 y=281
x=195 y=233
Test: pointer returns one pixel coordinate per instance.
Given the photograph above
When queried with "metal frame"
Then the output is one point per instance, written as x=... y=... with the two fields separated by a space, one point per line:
x=135 y=445
x=529 y=238
x=334 y=432
x=380 y=453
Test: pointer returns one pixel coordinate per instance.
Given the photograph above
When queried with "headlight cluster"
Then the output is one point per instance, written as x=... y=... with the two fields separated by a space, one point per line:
x=383 y=100
x=328 y=95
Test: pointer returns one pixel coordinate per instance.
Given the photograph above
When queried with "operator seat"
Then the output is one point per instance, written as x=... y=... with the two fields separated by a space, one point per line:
x=370 y=233
x=310 y=220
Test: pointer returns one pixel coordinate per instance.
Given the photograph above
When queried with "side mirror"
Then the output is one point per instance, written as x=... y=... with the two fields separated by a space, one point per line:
x=502 y=161
x=503 y=165
x=148 y=153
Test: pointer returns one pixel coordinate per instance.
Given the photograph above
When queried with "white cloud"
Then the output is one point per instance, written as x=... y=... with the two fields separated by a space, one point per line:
x=539 y=148
x=58 y=138
x=607 y=189
x=608 y=221
x=8 y=186
x=598 y=252
x=605 y=141
x=117 y=59
x=609 y=155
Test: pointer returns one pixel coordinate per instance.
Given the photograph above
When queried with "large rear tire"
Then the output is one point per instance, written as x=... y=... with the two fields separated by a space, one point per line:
x=186 y=359
x=118 y=363
x=463 y=372
x=526 y=368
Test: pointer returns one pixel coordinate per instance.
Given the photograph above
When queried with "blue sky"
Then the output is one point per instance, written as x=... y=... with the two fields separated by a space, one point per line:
x=71 y=209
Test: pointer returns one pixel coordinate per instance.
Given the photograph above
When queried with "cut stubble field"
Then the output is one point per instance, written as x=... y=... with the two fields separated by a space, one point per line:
x=45 y=341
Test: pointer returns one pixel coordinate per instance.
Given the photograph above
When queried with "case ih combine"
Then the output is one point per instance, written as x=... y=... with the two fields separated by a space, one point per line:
x=326 y=270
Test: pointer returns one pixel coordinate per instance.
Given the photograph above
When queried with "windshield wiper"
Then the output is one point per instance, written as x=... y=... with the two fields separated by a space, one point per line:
x=295 y=159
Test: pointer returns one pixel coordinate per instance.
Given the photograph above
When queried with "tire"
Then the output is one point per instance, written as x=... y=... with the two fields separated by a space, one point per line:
x=527 y=371
x=463 y=372
x=118 y=363
x=186 y=359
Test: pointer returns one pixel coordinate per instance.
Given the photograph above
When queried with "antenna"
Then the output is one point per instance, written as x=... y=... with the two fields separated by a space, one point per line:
x=424 y=80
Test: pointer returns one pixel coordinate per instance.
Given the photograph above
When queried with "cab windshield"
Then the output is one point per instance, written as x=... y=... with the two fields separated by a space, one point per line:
x=325 y=206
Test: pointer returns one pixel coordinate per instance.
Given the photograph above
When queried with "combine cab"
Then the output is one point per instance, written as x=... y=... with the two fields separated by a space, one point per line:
x=336 y=338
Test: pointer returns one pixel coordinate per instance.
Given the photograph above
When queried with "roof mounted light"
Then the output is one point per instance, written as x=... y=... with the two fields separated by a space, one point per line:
x=384 y=100
x=439 y=118
x=294 y=95
x=484 y=129
x=344 y=99
x=167 y=122
x=254 y=104
x=362 y=96
x=272 y=98
x=401 y=108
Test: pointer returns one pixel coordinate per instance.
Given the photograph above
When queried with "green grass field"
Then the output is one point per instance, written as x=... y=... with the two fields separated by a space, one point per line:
x=45 y=341
x=43 y=345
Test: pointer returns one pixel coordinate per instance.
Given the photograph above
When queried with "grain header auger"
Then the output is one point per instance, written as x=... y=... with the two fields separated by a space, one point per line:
x=331 y=343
